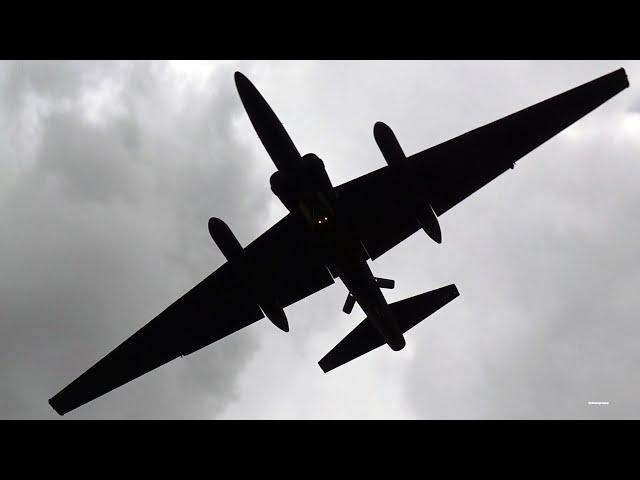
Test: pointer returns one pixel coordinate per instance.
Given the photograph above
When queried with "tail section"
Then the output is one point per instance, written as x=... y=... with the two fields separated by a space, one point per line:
x=408 y=313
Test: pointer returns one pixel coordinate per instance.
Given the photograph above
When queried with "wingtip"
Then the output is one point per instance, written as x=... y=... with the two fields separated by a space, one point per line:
x=620 y=74
x=56 y=407
x=323 y=365
x=626 y=77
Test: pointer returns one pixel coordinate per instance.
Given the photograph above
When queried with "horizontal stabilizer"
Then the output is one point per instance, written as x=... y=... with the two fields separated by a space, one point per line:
x=408 y=313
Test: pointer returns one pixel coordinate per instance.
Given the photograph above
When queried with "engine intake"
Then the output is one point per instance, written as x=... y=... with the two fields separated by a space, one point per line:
x=308 y=179
x=232 y=251
x=397 y=160
x=224 y=239
x=283 y=186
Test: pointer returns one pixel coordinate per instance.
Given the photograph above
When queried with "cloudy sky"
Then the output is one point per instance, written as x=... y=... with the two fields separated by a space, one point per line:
x=109 y=172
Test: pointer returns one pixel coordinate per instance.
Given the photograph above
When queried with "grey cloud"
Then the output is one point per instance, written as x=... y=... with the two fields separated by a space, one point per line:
x=92 y=163
x=105 y=225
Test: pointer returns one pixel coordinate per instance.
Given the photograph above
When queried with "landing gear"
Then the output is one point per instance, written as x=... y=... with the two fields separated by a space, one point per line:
x=351 y=300
x=349 y=303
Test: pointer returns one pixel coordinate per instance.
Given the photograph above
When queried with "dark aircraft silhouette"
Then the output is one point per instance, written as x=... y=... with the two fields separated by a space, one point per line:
x=331 y=232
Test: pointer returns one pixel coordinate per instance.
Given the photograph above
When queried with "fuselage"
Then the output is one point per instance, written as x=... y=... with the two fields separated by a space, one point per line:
x=341 y=250
x=303 y=186
x=347 y=257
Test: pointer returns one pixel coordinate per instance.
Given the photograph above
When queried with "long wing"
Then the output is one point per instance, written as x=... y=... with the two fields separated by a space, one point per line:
x=213 y=309
x=453 y=170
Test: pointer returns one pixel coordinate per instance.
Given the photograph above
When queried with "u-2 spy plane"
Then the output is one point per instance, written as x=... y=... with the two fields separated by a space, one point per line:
x=330 y=232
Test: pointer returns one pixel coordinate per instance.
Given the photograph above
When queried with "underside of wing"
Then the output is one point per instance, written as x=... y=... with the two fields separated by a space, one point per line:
x=451 y=171
x=458 y=167
x=376 y=213
x=285 y=259
x=219 y=305
x=211 y=310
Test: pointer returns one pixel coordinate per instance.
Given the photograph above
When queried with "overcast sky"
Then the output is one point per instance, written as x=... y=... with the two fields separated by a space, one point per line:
x=109 y=172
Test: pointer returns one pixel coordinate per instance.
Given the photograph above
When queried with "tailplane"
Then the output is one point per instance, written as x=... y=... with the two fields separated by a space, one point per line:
x=408 y=313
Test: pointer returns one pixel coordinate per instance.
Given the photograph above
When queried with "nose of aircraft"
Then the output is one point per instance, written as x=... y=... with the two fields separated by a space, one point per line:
x=243 y=84
x=270 y=130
